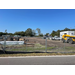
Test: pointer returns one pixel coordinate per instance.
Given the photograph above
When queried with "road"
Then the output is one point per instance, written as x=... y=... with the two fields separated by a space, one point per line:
x=38 y=60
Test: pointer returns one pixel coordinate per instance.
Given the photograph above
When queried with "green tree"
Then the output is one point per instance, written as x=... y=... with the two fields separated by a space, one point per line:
x=41 y=35
x=39 y=31
x=6 y=31
x=58 y=32
x=10 y=34
x=33 y=33
x=1 y=33
x=53 y=33
x=22 y=33
x=17 y=33
x=28 y=32
x=47 y=34
x=66 y=29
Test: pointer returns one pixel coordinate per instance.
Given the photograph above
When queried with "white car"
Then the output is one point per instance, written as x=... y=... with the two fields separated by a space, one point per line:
x=56 y=38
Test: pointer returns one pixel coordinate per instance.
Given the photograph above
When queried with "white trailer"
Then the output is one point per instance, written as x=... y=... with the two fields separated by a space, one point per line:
x=66 y=32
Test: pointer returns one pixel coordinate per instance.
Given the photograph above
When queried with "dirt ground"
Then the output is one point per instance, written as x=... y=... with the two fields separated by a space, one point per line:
x=50 y=43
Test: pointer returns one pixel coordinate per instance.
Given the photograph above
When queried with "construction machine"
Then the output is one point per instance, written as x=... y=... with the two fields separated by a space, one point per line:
x=68 y=38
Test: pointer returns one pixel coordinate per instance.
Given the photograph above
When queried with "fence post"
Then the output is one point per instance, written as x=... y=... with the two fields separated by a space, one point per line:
x=46 y=45
x=64 y=46
x=4 y=44
x=26 y=45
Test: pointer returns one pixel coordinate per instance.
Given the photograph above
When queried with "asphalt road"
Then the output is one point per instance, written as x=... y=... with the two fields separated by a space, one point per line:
x=38 y=60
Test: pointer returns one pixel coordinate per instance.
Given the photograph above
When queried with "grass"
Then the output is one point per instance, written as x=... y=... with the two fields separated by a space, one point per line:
x=49 y=49
x=35 y=54
x=62 y=49
x=39 y=47
x=29 y=49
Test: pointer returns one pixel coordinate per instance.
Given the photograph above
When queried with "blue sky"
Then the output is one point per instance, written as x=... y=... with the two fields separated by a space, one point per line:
x=46 y=19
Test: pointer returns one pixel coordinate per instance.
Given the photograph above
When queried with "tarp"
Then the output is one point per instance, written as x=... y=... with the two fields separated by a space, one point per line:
x=12 y=42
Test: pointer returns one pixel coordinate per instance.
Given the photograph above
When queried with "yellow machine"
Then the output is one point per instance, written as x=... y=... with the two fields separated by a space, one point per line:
x=68 y=38
x=21 y=39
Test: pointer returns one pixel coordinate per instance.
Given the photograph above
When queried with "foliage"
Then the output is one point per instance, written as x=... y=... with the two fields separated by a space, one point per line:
x=10 y=34
x=33 y=33
x=39 y=31
x=47 y=34
x=41 y=35
x=57 y=33
x=53 y=33
x=1 y=33
x=30 y=32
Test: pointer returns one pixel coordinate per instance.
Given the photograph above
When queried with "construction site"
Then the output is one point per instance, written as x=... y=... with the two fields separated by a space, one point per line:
x=66 y=43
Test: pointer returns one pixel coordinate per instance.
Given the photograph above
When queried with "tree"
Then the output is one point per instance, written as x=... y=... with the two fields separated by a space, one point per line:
x=28 y=32
x=47 y=34
x=17 y=33
x=1 y=33
x=10 y=33
x=39 y=31
x=66 y=29
x=6 y=31
x=58 y=32
x=41 y=35
x=22 y=33
x=53 y=33
x=33 y=33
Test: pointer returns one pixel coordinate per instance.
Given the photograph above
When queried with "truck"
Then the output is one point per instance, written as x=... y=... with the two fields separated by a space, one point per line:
x=69 y=37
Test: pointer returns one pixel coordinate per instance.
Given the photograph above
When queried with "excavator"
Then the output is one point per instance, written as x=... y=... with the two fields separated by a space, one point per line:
x=68 y=38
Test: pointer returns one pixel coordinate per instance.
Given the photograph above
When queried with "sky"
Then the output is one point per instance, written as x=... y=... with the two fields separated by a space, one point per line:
x=46 y=19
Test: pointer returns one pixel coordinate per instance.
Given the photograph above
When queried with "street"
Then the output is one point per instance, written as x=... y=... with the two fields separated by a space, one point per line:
x=39 y=60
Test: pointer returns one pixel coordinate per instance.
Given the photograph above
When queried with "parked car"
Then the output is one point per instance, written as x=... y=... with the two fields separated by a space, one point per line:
x=47 y=37
x=56 y=38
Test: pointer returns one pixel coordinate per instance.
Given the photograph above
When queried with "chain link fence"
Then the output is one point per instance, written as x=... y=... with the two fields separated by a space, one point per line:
x=36 y=44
